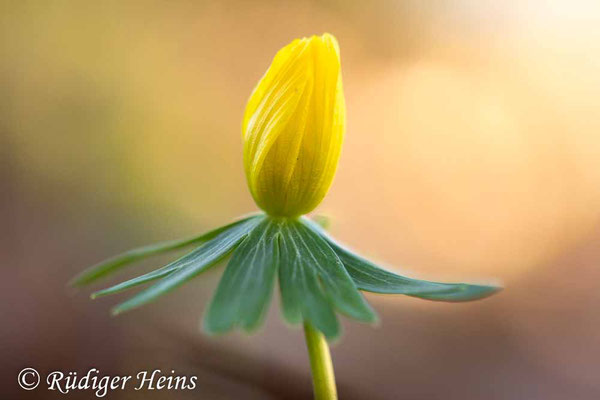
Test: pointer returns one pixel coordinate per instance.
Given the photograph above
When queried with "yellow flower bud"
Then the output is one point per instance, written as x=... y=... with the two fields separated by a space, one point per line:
x=293 y=127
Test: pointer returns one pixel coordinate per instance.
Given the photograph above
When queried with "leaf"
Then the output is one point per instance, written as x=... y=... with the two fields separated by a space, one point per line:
x=184 y=261
x=149 y=277
x=246 y=287
x=314 y=282
x=371 y=278
x=462 y=292
x=114 y=263
x=322 y=220
x=337 y=283
x=193 y=263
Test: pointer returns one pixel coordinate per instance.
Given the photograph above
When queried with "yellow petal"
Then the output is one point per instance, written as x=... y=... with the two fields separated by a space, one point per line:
x=293 y=127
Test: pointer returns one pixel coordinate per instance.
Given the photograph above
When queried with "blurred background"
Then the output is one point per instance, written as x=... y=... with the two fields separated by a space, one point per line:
x=472 y=153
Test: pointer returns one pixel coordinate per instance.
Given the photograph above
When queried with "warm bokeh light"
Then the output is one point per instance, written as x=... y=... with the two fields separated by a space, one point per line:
x=472 y=153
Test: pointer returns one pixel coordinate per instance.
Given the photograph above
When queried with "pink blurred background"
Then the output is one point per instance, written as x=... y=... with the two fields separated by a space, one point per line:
x=472 y=153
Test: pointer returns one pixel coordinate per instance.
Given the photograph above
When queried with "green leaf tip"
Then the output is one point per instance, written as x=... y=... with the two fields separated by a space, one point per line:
x=190 y=265
x=115 y=263
x=464 y=292
x=245 y=289
x=370 y=278
x=115 y=312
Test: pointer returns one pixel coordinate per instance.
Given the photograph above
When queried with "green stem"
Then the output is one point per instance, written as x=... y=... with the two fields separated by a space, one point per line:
x=320 y=364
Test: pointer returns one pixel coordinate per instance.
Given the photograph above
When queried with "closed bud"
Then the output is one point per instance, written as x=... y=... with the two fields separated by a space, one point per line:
x=293 y=127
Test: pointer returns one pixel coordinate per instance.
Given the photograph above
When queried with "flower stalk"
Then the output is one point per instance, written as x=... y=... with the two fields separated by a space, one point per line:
x=321 y=366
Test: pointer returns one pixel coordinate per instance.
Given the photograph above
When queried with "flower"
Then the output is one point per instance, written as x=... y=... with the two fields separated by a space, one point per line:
x=293 y=127
x=293 y=130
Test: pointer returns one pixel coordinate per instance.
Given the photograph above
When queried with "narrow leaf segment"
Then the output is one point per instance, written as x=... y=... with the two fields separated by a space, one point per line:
x=192 y=264
x=314 y=283
x=245 y=289
x=112 y=264
x=371 y=278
